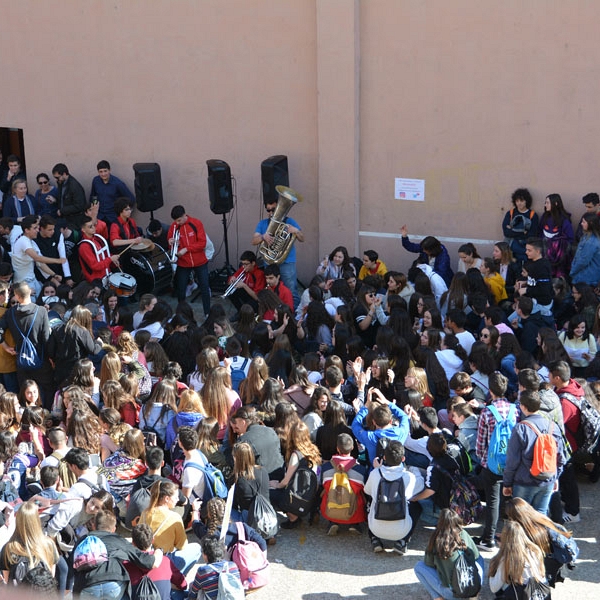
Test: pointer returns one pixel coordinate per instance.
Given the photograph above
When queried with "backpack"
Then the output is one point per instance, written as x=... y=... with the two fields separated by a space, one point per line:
x=532 y=590
x=214 y=482
x=464 y=499
x=341 y=499
x=177 y=456
x=90 y=553
x=138 y=503
x=564 y=549
x=457 y=451
x=8 y=492
x=230 y=585
x=391 y=499
x=238 y=375
x=27 y=356
x=18 y=570
x=466 y=580
x=589 y=431
x=543 y=465
x=499 y=439
x=67 y=477
x=146 y=590
x=250 y=560
x=151 y=429
x=301 y=490
x=262 y=517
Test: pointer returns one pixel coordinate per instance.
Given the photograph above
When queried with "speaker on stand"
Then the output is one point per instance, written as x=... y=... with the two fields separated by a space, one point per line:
x=220 y=193
x=148 y=187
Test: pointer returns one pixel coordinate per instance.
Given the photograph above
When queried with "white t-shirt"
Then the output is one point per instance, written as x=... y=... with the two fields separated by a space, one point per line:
x=192 y=477
x=22 y=263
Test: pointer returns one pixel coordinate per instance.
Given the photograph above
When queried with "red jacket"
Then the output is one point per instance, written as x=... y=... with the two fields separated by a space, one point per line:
x=356 y=478
x=91 y=267
x=193 y=237
x=117 y=229
x=255 y=280
x=571 y=414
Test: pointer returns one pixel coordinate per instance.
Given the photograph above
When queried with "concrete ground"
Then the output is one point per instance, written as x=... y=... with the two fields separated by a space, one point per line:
x=306 y=564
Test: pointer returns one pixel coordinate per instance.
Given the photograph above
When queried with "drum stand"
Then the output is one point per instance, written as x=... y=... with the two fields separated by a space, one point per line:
x=219 y=277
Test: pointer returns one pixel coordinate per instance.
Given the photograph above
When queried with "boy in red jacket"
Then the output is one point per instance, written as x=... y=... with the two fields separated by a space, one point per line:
x=331 y=510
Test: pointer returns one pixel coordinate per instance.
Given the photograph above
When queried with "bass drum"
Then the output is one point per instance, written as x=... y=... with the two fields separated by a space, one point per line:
x=152 y=270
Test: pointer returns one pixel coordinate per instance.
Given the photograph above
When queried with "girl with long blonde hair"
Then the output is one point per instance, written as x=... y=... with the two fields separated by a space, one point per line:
x=300 y=452
x=29 y=541
x=251 y=387
x=518 y=560
x=416 y=379
x=167 y=526
x=218 y=399
x=191 y=412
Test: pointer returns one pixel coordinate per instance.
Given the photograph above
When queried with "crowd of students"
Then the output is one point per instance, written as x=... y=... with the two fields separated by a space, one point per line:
x=370 y=403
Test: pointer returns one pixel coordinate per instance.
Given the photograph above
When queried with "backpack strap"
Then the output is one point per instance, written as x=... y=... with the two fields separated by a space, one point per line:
x=25 y=336
x=240 y=531
x=535 y=429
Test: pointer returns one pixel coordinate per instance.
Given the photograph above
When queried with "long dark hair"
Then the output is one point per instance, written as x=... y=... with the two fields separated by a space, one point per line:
x=446 y=538
x=557 y=211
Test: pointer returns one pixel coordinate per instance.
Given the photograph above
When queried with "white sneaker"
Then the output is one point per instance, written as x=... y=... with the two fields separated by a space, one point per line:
x=569 y=518
x=189 y=290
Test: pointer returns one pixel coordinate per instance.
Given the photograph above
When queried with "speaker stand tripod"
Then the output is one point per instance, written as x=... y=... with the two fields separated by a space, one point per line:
x=218 y=278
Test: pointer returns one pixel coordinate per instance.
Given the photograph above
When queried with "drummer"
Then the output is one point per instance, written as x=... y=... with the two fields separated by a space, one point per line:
x=94 y=254
x=124 y=231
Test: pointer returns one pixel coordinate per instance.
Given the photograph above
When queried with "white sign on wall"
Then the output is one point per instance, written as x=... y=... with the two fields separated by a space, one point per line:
x=409 y=189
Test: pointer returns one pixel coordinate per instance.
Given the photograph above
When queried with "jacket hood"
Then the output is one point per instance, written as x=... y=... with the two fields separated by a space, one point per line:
x=549 y=400
x=573 y=388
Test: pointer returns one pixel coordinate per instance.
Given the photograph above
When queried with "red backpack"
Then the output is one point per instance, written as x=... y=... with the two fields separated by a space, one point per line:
x=545 y=453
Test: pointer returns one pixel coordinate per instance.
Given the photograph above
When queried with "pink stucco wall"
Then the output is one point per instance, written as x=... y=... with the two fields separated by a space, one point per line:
x=477 y=98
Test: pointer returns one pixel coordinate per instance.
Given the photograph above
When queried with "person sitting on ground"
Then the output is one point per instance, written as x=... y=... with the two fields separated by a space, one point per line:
x=206 y=582
x=398 y=527
x=372 y=265
x=356 y=473
x=164 y=576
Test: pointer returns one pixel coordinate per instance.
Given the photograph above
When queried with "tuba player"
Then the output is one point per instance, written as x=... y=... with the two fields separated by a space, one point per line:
x=288 y=267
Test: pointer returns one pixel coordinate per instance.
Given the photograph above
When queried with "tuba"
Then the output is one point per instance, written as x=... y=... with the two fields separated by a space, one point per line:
x=277 y=252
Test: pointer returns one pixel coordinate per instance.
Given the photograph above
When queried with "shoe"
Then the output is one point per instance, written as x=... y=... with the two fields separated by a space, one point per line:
x=376 y=545
x=400 y=547
x=190 y=289
x=569 y=518
x=290 y=524
x=332 y=529
x=271 y=541
x=356 y=529
x=485 y=545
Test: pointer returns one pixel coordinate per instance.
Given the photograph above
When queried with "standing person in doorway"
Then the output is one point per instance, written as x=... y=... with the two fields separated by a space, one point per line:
x=191 y=256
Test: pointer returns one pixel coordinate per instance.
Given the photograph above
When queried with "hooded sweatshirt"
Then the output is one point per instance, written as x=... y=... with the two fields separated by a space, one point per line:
x=571 y=414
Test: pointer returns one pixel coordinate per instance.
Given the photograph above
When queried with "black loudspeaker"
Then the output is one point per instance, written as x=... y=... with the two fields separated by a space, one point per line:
x=219 y=187
x=148 y=186
x=274 y=172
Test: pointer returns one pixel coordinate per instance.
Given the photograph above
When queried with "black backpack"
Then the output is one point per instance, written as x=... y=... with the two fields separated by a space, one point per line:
x=302 y=490
x=466 y=581
x=146 y=590
x=391 y=499
x=18 y=571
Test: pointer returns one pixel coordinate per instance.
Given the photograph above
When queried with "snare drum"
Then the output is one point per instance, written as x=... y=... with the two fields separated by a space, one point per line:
x=122 y=284
x=152 y=270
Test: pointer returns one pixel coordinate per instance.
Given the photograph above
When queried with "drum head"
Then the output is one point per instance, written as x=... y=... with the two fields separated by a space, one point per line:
x=143 y=246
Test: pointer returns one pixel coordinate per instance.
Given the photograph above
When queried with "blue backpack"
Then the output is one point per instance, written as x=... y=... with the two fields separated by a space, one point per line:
x=214 y=482
x=238 y=375
x=499 y=440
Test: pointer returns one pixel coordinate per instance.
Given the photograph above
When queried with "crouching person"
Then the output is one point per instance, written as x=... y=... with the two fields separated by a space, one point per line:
x=343 y=501
x=391 y=516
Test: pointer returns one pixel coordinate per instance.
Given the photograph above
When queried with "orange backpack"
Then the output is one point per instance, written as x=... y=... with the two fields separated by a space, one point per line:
x=545 y=453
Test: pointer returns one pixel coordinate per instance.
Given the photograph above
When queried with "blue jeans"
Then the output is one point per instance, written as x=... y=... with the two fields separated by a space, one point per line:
x=536 y=495
x=186 y=558
x=109 y=590
x=430 y=579
x=290 y=280
x=182 y=278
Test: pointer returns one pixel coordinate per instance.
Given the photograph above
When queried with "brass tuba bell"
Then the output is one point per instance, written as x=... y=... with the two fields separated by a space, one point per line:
x=278 y=251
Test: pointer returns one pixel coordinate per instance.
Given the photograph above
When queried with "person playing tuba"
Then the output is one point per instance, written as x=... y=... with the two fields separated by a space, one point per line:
x=288 y=266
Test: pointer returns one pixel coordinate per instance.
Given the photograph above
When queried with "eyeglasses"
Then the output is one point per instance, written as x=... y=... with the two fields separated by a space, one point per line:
x=43 y=182
x=270 y=210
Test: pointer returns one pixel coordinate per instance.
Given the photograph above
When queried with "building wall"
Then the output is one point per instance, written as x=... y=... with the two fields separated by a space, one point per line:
x=477 y=98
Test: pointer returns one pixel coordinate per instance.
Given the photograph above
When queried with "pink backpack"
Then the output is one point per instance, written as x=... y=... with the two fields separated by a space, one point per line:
x=250 y=560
